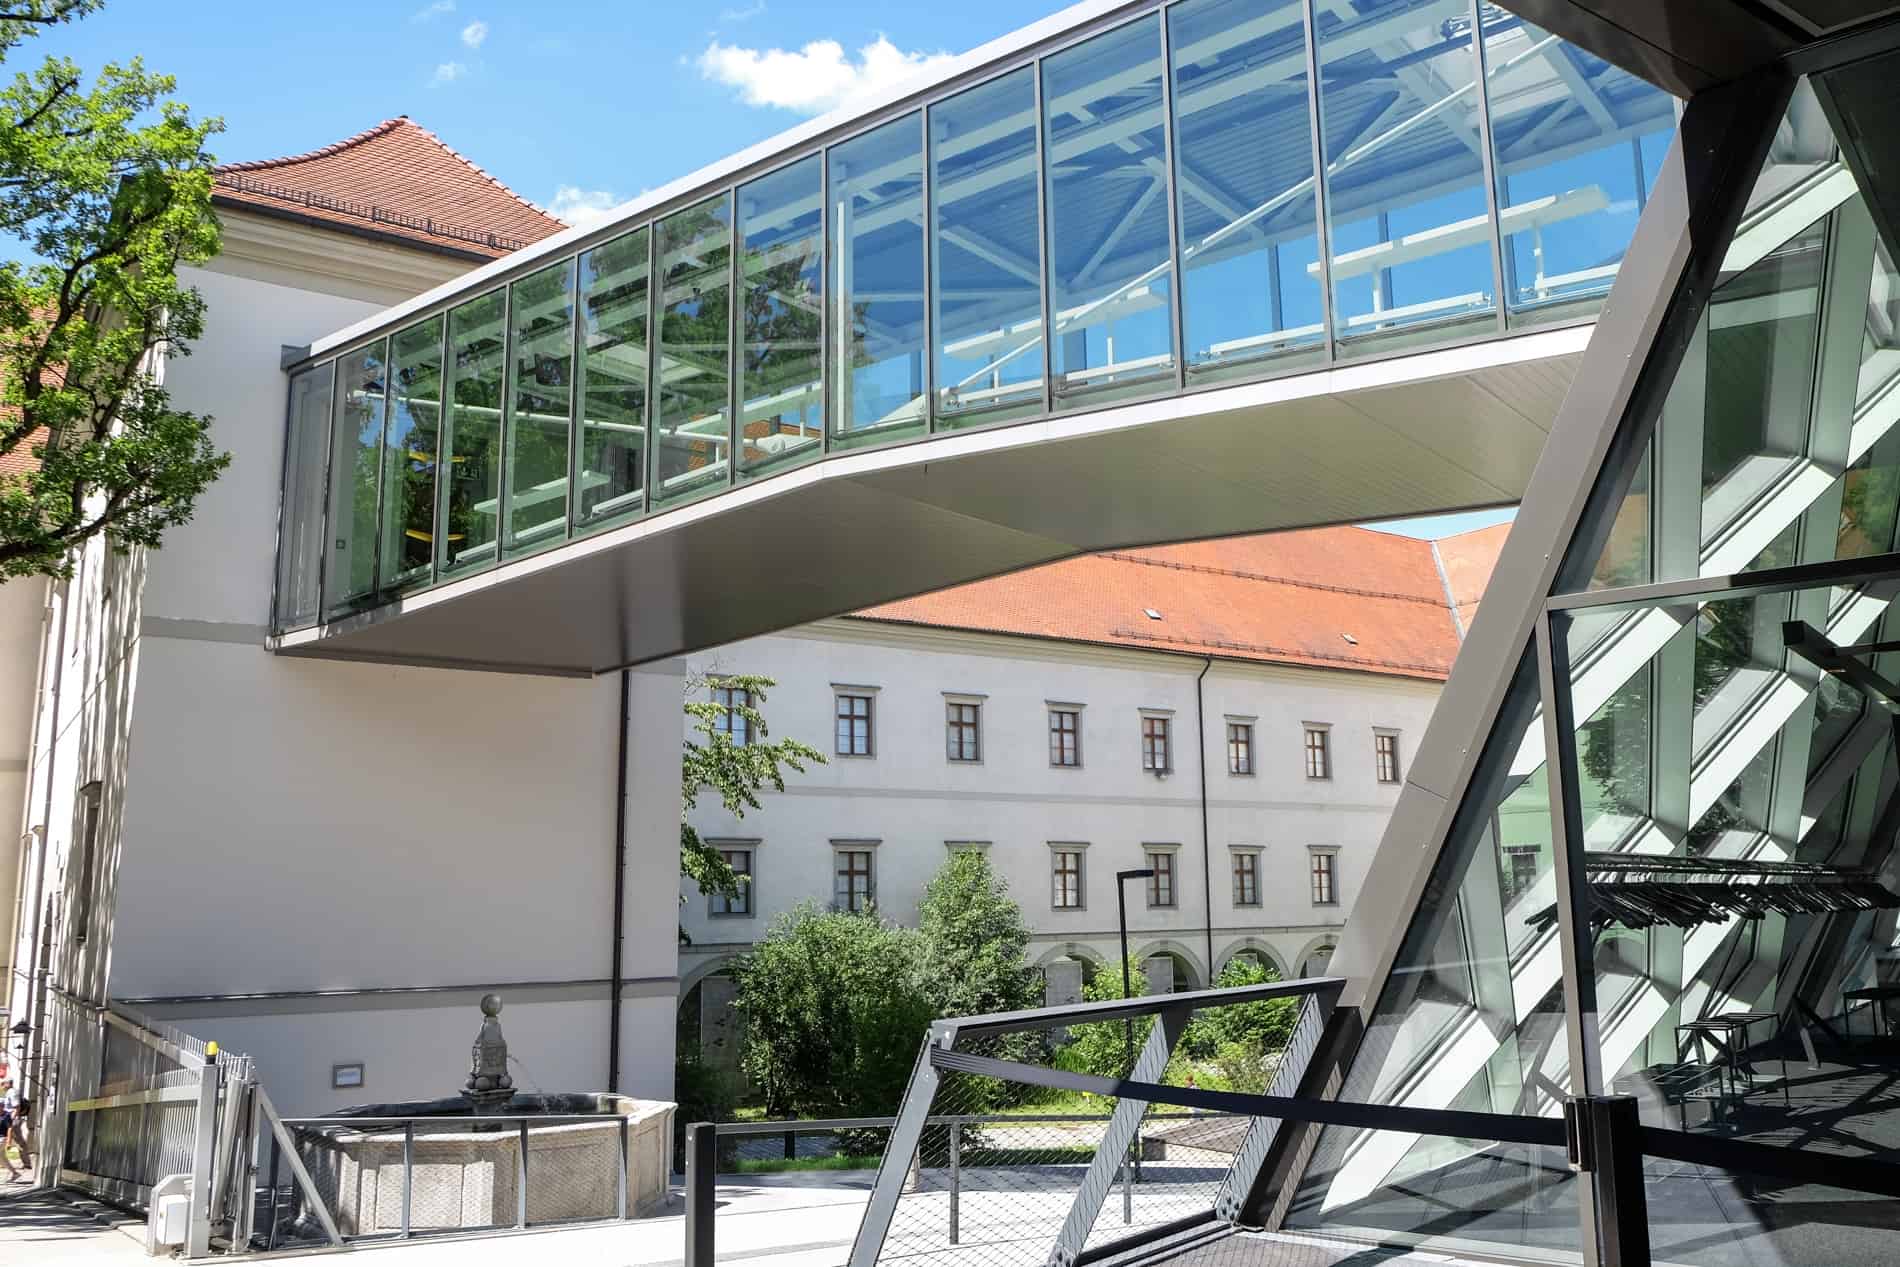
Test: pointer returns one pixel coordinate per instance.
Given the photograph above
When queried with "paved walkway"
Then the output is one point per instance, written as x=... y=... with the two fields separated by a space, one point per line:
x=54 y=1229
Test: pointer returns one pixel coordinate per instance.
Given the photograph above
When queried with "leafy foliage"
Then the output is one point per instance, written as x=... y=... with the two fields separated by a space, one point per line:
x=835 y=1006
x=974 y=941
x=110 y=187
x=712 y=762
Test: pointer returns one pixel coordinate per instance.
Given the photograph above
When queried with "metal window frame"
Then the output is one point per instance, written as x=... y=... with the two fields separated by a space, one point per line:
x=1030 y=55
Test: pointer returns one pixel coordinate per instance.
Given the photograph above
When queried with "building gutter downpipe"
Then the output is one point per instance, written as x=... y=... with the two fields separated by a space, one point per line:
x=1207 y=862
x=620 y=889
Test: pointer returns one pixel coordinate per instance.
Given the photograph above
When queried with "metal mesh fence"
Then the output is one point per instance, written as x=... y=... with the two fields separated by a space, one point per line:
x=451 y=1175
x=1012 y=1174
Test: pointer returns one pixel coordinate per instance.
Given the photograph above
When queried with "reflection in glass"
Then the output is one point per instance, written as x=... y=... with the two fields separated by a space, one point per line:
x=1572 y=169
x=781 y=367
x=1763 y=325
x=1244 y=181
x=1109 y=263
x=986 y=253
x=613 y=378
x=1405 y=200
x=472 y=492
x=356 y=455
x=1471 y=1017
x=877 y=291
x=409 y=453
x=540 y=398
x=694 y=366
x=300 y=543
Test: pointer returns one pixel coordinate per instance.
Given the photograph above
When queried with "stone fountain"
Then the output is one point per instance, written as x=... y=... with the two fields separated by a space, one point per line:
x=468 y=1152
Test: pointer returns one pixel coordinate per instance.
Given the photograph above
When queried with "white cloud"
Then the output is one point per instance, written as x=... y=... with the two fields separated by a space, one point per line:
x=815 y=78
x=449 y=72
x=429 y=12
x=580 y=206
x=729 y=17
x=474 y=33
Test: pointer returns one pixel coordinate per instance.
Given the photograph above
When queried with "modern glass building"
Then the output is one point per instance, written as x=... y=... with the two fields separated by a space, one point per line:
x=1150 y=201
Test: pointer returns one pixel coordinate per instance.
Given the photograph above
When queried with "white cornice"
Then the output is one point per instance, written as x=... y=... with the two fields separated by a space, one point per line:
x=286 y=253
x=1003 y=646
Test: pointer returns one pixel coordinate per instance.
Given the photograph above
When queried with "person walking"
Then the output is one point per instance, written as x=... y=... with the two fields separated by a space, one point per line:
x=9 y=1114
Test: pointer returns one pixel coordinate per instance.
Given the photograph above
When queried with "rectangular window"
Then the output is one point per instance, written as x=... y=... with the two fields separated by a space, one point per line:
x=854 y=725
x=409 y=452
x=1161 y=883
x=300 y=549
x=1325 y=878
x=691 y=445
x=731 y=722
x=612 y=378
x=1154 y=744
x=963 y=724
x=1319 y=753
x=1065 y=737
x=876 y=293
x=853 y=889
x=1247 y=879
x=740 y=860
x=1239 y=747
x=88 y=861
x=1520 y=863
x=1065 y=879
x=540 y=380
x=781 y=318
x=356 y=445
x=470 y=469
x=1385 y=751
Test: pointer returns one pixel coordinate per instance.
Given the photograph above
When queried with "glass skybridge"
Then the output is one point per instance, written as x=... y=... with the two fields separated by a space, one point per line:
x=1111 y=206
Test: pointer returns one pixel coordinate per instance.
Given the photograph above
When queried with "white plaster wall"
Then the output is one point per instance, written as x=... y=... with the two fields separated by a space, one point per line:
x=22 y=603
x=915 y=801
x=218 y=567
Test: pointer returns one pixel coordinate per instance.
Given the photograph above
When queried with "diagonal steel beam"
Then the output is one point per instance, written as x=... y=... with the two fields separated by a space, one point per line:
x=1123 y=1125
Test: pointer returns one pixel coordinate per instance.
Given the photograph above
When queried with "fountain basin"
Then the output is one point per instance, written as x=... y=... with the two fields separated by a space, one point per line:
x=467 y=1165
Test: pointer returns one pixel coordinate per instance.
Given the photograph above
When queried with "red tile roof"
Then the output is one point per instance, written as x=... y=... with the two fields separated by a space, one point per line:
x=396 y=180
x=1467 y=560
x=23 y=459
x=1340 y=598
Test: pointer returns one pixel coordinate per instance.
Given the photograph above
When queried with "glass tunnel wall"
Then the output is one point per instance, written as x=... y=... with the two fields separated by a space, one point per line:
x=1731 y=794
x=1208 y=191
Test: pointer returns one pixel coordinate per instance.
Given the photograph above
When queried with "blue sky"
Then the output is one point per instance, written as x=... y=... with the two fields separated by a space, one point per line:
x=600 y=99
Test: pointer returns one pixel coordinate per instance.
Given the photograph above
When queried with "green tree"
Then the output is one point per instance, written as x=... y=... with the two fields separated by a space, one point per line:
x=835 y=1008
x=109 y=187
x=736 y=772
x=974 y=941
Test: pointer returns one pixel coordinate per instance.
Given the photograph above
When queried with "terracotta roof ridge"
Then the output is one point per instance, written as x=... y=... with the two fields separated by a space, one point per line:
x=383 y=128
x=481 y=171
x=335 y=147
x=1264 y=576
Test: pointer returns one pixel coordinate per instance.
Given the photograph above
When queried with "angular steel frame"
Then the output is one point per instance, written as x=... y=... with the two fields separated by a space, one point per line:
x=1595 y=446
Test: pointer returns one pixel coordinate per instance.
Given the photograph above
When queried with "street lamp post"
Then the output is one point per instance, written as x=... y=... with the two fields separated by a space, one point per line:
x=1128 y=1023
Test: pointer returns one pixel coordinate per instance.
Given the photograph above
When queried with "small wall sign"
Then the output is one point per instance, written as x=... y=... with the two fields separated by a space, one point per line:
x=342 y=1076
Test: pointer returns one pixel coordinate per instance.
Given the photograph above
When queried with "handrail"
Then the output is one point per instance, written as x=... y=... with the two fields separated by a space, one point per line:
x=1118 y=1009
x=817 y=1125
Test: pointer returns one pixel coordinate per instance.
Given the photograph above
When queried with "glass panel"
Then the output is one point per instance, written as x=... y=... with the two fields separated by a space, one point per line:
x=986 y=253
x=1405 y=202
x=613 y=378
x=1568 y=132
x=1729 y=955
x=1109 y=264
x=877 y=300
x=300 y=536
x=356 y=456
x=781 y=381
x=1470 y=1018
x=1763 y=326
x=415 y=424
x=1244 y=181
x=691 y=441
x=477 y=359
x=539 y=404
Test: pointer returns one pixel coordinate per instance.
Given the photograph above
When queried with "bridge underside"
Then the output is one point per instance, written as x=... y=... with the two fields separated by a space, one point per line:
x=1438 y=431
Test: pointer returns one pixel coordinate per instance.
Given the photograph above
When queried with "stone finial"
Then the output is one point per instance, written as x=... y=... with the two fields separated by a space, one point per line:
x=489 y=1085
